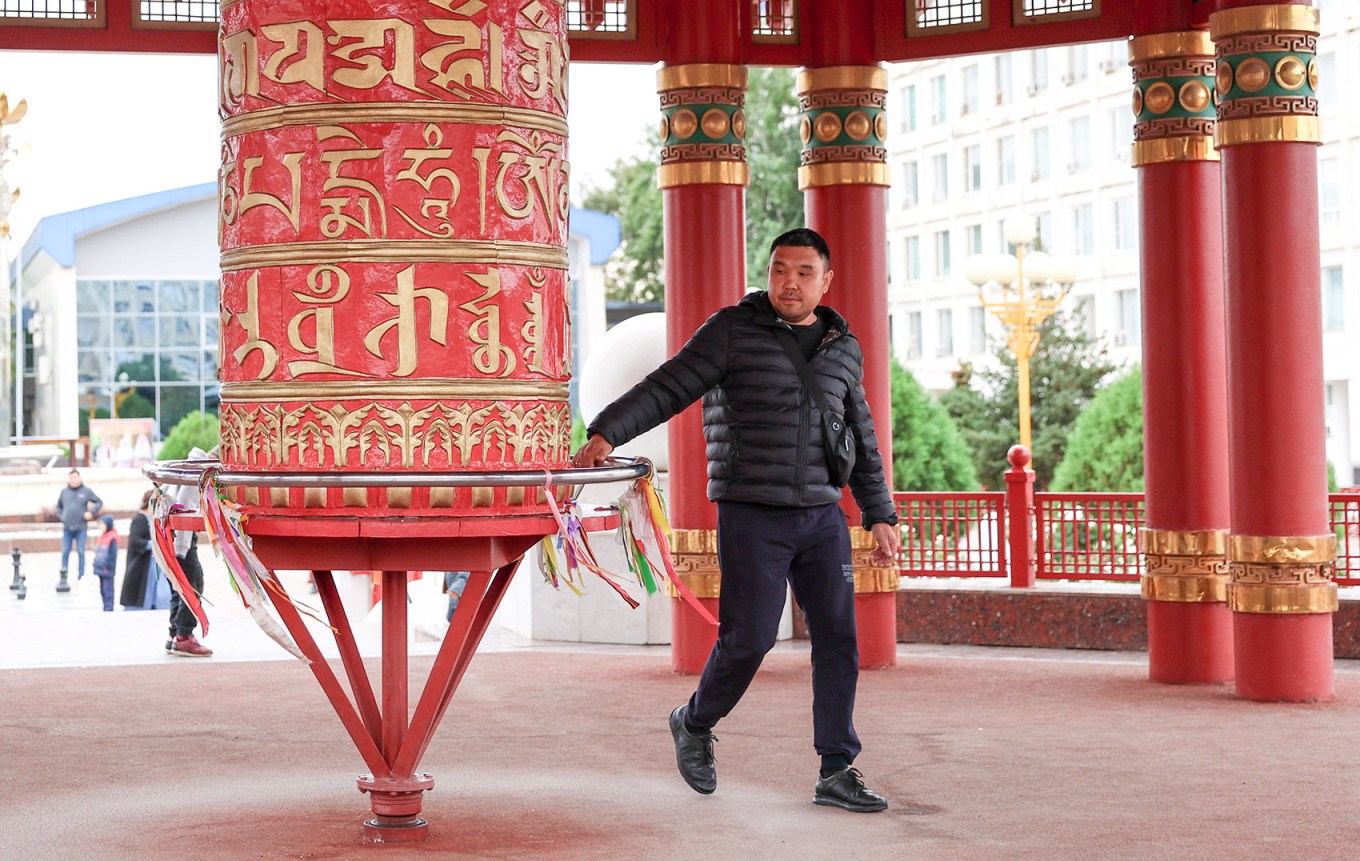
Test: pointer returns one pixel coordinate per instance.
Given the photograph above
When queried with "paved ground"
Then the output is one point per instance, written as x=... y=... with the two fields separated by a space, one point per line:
x=116 y=751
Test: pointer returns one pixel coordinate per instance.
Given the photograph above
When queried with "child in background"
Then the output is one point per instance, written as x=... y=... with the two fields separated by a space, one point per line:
x=106 y=560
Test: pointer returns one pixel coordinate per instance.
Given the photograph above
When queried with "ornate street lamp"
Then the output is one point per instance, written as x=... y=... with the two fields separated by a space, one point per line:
x=1021 y=310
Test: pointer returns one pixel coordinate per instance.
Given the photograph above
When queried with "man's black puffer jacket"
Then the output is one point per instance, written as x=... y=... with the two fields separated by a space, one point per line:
x=764 y=435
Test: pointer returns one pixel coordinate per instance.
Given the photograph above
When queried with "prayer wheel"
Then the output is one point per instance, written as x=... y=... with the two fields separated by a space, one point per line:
x=394 y=292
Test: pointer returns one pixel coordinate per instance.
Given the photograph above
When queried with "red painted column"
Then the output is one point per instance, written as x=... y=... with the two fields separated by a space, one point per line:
x=1185 y=423
x=844 y=177
x=1281 y=552
x=703 y=178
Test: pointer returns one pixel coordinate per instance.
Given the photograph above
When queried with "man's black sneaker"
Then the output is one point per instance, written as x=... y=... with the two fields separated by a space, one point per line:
x=694 y=755
x=845 y=789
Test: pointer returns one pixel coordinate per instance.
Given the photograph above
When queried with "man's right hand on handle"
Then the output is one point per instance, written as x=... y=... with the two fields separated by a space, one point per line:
x=593 y=453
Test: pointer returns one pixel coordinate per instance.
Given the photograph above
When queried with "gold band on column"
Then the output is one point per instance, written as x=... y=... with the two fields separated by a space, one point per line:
x=1267 y=17
x=1185 y=567
x=1266 y=75
x=694 y=552
x=1282 y=574
x=1268 y=130
x=703 y=172
x=844 y=126
x=703 y=125
x=870 y=578
x=1162 y=150
x=1173 y=107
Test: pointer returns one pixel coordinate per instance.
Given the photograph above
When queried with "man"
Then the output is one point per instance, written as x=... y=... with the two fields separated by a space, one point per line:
x=779 y=518
x=76 y=507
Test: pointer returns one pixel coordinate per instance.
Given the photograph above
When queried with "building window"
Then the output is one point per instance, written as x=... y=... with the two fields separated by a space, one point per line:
x=909 y=108
x=945 y=322
x=1130 y=319
x=1005 y=85
x=1038 y=71
x=1083 y=229
x=1329 y=189
x=1005 y=158
x=913 y=248
x=977 y=329
x=1326 y=94
x=972 y=168
x=1044 y=222
x=911 y=191
x=1079 y=141
x=155 y=340
x=974 y=234
x=972 y=102
x=1333 y=300
x=941 y=163
x=1121 y=134
x=1038 y=148
x=1078 y=64
x=1125 y=224
x=914 y=335
x=939 y=106
x=942 y=265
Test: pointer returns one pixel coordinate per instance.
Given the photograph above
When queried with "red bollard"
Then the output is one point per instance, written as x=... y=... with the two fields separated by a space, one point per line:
x=1020 y=512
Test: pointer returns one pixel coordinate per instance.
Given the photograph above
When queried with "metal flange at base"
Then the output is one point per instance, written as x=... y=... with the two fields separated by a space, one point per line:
x=395 y=802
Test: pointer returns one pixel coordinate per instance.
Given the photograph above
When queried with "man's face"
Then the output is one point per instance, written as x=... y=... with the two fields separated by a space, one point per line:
x=73 y=480
x=798 y=281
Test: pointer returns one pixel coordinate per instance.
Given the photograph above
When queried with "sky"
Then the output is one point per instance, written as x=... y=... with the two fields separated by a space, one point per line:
x=103 y=127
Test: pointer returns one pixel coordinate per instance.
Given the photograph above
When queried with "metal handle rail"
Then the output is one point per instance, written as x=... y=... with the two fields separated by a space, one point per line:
x=190 y=472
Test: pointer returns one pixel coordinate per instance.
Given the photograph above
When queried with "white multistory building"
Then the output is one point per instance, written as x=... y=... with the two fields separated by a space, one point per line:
x=1047 y=132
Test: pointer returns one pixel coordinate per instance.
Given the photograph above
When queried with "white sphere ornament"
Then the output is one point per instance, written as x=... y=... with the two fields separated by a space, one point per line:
x=1038 y=267
x=1005 y=269
x=1019 y=229
x=620 y=359
x=977 y=269
x=1064 y=270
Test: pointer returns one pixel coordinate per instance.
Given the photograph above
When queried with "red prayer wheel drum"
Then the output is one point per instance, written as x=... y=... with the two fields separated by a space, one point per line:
x=393 y=231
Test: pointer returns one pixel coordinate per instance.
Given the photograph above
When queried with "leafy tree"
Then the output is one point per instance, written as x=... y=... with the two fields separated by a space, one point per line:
x=1105 y=451
x=1065 y=371
x=773 y=202
x=634 y=274
x=195 y=429
x=927 y=451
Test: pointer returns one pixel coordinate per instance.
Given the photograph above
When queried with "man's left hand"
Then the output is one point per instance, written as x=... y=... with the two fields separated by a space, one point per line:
x=889 y=541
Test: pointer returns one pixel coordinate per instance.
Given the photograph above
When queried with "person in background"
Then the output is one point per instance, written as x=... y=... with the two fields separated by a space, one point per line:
x=454 y=583
x=106 y=560
x=138 y=567
x=182 y=642
x=76 y=507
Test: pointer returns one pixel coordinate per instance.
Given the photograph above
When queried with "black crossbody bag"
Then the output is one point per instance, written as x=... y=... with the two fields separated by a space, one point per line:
x=838 y=438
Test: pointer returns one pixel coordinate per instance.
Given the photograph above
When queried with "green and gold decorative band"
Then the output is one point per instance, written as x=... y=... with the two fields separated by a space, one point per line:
x=870 y=578
x=1282 y=574
x=844 y=127
x=1266 y=75
x=703 y=125
x=1185 y=567
x=694 y=552
x=1173 y=108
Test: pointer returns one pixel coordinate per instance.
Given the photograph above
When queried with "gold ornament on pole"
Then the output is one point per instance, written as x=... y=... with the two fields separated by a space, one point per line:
x=1020 y=310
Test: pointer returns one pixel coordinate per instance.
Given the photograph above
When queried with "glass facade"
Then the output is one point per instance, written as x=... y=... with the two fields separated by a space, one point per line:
x=153 y=344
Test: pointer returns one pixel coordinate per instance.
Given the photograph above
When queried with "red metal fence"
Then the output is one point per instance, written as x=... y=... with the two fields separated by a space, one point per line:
x=952 y=534
x=1077 y=536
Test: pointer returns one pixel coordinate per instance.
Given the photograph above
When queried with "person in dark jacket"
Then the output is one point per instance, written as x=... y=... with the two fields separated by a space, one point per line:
x=138 y=567
x=779 y=517
x=76 y=507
